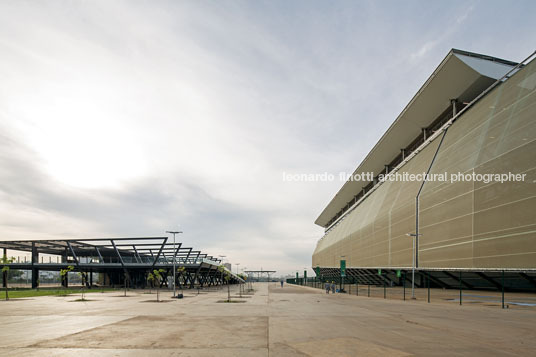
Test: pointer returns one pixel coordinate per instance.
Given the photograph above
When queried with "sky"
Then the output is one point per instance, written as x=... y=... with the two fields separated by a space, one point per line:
x=130 y=118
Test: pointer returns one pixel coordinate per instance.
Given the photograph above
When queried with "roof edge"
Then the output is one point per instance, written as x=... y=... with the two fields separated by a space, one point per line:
x=410 y=103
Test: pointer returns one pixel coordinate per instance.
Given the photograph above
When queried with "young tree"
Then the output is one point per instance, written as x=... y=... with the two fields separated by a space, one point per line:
x=83 y=277
x=151 y=279
x=243 y=277
x=126 y=280
x=180 y=272
x=64 y=273
x=221 y=269
x=156 y=276
x=226 y=275
x=150 y=282
x=242 y=284
x=5 y=270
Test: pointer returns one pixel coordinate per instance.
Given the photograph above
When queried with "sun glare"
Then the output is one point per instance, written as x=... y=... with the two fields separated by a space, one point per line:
x=83 y=141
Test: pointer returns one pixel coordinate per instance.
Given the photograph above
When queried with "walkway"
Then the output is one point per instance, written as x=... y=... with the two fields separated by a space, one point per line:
x=293 y=321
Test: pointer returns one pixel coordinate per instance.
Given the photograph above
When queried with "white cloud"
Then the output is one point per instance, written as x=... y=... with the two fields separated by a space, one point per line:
x=128 y=118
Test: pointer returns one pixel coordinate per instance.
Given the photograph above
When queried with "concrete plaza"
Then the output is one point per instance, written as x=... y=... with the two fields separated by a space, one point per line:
x=289 y=321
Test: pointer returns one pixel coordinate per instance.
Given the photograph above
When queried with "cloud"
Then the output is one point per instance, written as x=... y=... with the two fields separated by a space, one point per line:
x=129 y=118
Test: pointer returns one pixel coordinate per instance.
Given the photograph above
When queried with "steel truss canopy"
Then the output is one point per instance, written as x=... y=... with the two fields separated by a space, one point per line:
x=462 y=76
x=260 y=273
x=136 y=251
x=121 y=261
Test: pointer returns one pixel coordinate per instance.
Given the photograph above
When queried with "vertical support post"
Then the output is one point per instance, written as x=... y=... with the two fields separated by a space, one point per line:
x=417 y=234
x=404 y=286
x=174 y=272
x=502 y=288
x=416 y=242
x=384 y=290
x=368 y=293
x=35 y=271
x=65 y=281
x=414 y=253
x=4 y=274
x=428 y=284
x=460 y=288
x=357 y=288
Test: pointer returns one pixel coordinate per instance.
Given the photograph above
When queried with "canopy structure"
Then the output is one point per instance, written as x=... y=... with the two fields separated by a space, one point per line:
x=260 y=274
x=120 y=259
x=461 y=76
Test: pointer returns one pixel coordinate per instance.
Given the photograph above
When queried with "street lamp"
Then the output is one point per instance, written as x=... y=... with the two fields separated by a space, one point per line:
x=343 y=274
x=174 y=269
x=221 y=274
x=414 y=236
x=244 y=269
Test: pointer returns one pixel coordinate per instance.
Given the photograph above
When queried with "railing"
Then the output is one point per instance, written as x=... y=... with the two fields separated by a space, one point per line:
x=426 y=293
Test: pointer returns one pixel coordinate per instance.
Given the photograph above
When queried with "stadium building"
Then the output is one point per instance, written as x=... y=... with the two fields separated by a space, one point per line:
x=453 y=189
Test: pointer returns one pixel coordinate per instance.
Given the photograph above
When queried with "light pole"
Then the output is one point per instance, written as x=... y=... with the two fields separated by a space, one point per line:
x=343 y=274
x=174 y=270
x=221 y=274
x=414 y=236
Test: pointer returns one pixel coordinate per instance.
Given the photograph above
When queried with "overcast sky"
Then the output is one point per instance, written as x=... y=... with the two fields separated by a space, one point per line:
x=132 y=118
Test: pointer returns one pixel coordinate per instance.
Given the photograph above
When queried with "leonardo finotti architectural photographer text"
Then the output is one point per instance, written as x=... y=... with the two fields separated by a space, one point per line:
x=405 y=176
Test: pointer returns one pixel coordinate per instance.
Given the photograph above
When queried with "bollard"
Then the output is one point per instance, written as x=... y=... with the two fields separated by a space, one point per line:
x=502 y=288
x=404 y=286
x=428 y=283
x=460 y=288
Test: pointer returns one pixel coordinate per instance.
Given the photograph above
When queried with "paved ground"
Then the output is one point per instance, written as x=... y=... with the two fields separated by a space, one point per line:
x=293 y=321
